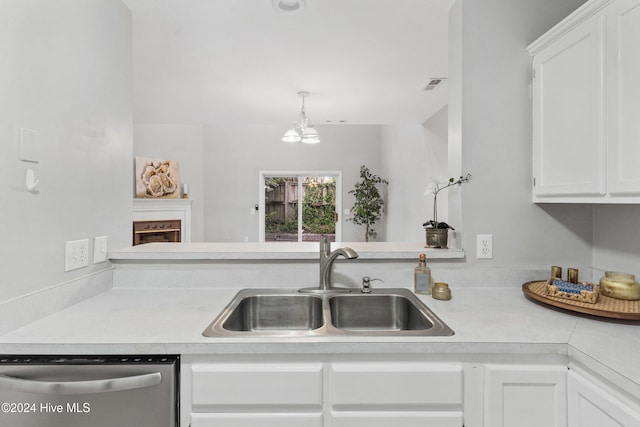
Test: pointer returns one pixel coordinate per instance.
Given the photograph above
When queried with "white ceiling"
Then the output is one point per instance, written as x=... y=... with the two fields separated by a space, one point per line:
x=241 y=61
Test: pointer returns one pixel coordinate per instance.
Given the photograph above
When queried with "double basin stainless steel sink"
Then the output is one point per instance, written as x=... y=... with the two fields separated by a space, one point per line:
x=288 y=313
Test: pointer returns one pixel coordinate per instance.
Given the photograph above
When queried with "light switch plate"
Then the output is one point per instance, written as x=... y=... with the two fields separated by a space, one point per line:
x=29 y=142
x=99 y=249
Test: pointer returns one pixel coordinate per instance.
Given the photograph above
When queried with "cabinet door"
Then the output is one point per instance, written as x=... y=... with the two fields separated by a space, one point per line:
x=568 y=131
x=398 y=419
x=591 y=406
x=623 y=97
x=525 y=396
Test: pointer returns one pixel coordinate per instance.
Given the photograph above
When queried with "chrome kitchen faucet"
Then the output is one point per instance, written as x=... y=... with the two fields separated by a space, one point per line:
x=327 y=258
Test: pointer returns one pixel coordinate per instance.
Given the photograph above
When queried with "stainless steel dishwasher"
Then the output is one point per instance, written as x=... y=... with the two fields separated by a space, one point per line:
x=89 y=391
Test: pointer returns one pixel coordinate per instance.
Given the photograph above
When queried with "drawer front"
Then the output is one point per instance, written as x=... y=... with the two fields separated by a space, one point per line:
x=256 y=384
x=256 y=420
x=396 y=384
x=398 y=419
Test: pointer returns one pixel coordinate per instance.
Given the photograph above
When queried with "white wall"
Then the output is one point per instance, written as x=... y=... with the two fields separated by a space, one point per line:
x=616 y=238
x=183 y=143
x=66 y=73
x=496 y=134
x=412 y=155
x=234 y=155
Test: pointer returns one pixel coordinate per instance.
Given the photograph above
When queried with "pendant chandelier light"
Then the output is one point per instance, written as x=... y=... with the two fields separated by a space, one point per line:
x=302 y=130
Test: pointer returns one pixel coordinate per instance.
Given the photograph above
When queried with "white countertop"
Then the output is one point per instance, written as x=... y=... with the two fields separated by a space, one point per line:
x=171 y=321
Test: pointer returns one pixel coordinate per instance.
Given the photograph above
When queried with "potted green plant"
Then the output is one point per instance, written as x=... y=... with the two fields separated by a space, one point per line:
x=437 y=233
x=368 y=207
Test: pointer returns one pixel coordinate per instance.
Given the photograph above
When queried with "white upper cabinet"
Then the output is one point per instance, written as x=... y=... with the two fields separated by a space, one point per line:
x=623 y=98
x=569 y=152
x=586 y=105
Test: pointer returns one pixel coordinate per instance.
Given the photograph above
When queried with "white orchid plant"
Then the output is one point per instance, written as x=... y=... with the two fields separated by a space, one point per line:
x=434 y=188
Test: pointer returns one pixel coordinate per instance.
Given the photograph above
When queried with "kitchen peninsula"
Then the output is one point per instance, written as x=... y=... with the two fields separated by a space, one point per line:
x=163 y=299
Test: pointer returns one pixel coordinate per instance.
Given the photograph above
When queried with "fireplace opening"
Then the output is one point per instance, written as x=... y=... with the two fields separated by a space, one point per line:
x=156 y=231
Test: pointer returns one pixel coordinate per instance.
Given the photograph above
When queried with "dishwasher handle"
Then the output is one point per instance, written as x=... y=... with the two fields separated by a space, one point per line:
x=80 y=387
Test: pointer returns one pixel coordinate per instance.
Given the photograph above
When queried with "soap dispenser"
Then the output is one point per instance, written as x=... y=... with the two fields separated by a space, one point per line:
x=422 y=277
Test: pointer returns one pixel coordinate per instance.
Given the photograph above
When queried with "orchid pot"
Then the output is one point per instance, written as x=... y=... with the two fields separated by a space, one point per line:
x=437 y=238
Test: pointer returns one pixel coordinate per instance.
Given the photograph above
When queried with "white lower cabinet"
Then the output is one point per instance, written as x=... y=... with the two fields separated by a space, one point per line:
x=396 y=391
x=525 y=396
x=594 y=404
x=320 y=391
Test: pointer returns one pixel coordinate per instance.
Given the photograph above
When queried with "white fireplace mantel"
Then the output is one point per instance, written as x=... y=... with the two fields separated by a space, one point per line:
x=163 y=209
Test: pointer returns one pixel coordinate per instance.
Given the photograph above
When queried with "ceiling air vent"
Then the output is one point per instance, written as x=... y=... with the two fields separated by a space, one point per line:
x=434 y=83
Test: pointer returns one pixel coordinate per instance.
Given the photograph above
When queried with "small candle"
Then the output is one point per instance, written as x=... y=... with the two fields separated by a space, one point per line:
x=185 y=188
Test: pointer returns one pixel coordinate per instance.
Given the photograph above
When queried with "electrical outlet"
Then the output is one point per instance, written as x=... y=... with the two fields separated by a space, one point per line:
x=76 y=254
x=484 y=246
x=99 y=249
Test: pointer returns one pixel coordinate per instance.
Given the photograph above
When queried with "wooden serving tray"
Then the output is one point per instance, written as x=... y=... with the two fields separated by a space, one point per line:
x=605 y=307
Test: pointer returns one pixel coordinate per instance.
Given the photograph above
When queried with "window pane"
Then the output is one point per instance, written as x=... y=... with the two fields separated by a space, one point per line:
x=318 y=208
x=281 y=209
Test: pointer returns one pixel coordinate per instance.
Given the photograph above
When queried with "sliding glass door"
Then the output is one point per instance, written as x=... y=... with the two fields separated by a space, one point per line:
x=299 y=207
